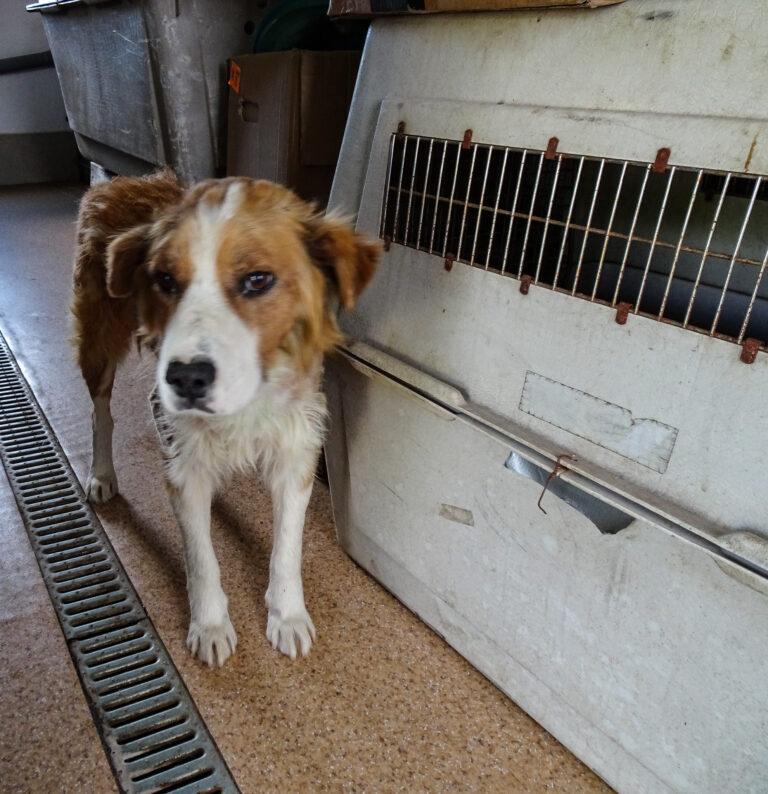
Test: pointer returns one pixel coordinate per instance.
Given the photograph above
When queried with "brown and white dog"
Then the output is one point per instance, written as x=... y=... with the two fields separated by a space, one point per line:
x=233 y=283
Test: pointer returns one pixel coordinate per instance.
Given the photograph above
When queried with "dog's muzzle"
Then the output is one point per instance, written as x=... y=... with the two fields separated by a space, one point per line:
x=191 y=382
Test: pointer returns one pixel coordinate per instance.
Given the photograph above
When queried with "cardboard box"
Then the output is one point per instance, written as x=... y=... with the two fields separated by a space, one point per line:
x=370 y=8
x=287 y=113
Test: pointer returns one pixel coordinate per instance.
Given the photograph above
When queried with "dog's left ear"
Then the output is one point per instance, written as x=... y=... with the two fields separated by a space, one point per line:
x=348 y=259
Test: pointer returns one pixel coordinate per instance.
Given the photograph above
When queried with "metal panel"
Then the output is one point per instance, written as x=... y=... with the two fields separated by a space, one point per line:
x=83 y=42
x=144 y=83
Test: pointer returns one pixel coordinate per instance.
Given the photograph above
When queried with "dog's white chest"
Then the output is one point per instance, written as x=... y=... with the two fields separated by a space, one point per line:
x=246 y=439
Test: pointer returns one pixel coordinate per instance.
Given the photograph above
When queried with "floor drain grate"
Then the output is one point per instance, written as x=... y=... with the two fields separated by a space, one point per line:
x=154 y=736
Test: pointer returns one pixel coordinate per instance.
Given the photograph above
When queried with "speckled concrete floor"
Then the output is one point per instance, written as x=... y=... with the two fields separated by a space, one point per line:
x=382 y=704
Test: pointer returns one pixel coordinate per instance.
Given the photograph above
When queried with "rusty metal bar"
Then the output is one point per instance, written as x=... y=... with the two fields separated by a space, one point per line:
x=753 y=299
x=705 y=253
x=496 y=207
x=437 y=197
x=608 y=229
x=424 y=193
x=568 y=221
x=622 y=312
x=620 y=235
x=655 y=237
x=410 y=192
x=549 y=215
x=750 y=348
x=389 y=188
x=480 y=210
x=559 y=469
x=450 y=202
x=587 y=227
x=680 y=241
x=512 y=211
x=530 y=214
x=400 y=188
x=662 y=158
x=466 y=201
x=630 y=238
x=747 y=216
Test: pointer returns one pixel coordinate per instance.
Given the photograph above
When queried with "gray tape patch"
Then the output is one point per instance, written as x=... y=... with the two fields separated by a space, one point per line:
x=608 y=425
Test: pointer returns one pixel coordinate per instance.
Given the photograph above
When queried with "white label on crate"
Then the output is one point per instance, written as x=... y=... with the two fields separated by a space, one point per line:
x=644 y=441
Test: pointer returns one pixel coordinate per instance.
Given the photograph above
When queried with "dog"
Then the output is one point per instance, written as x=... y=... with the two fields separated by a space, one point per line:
x=234 y=284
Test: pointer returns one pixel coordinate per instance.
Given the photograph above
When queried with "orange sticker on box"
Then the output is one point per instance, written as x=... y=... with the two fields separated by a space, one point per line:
x=234 y=76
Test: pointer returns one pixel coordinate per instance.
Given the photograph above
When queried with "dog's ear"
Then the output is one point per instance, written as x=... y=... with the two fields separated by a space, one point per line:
x=125 y=254
x=348 y=259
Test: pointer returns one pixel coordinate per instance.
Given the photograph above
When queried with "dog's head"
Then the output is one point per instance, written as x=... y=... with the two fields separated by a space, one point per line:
x=235 y=279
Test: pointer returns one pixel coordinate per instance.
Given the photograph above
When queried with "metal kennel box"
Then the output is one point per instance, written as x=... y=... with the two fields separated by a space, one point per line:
x=144 y=81
x=548 y=424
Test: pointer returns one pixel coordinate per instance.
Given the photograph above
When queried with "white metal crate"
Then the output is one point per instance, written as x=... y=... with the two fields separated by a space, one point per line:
x=577 y=245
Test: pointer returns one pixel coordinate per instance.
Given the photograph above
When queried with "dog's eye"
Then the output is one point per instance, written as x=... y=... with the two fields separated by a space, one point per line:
x=257 y=283
x=166 y=283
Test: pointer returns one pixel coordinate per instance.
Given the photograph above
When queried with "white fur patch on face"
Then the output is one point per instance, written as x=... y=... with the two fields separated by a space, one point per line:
x=205 y=328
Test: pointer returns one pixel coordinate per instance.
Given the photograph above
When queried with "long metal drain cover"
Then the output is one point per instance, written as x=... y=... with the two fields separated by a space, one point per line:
x=153 y=735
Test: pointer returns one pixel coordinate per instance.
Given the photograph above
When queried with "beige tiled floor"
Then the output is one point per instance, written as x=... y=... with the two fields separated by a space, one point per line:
x=382 y=704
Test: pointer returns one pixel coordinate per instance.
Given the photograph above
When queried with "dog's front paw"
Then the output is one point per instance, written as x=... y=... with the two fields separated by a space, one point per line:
x=212 y=644
x=101 y=486
x=289 y=633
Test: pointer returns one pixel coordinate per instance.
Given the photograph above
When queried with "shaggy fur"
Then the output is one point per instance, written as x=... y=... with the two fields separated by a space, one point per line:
x=232 y=283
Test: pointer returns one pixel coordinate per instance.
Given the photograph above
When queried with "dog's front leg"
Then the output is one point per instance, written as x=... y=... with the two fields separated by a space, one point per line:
x=211 y=637
x=289 y=627
x=99 y=375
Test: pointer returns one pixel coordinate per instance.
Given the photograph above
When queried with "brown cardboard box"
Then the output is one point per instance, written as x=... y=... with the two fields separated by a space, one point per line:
x=369 y=8
x=287 y=112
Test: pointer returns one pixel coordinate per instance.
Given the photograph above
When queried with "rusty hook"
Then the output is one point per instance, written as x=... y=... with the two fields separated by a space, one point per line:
x=556 y=472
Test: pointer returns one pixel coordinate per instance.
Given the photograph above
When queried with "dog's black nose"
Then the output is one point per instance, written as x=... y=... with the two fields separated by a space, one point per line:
x=192 y=380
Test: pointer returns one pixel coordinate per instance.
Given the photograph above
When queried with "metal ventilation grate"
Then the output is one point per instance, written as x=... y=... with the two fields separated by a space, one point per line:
x=154 y=736
x=681 y=245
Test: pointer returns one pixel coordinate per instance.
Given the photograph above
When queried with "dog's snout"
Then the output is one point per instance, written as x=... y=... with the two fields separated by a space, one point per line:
x=191 y=381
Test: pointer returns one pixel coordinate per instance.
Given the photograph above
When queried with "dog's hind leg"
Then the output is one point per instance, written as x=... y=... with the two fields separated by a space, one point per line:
x=103 y=332
x=99 y=375
x=102 y=480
